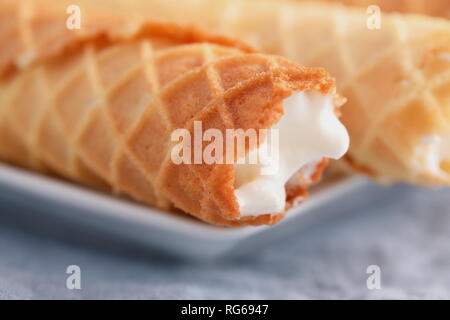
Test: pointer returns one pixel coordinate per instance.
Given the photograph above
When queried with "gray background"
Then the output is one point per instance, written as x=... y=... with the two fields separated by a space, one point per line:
x=408 y=237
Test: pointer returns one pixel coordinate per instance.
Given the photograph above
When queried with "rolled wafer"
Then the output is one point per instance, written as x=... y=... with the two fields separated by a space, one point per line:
x=99 y=106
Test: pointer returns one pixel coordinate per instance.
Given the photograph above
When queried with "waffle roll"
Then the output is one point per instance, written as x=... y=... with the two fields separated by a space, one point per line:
x=98 y=105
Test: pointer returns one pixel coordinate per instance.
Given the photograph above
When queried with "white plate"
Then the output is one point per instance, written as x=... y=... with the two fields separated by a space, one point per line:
x=172 y=233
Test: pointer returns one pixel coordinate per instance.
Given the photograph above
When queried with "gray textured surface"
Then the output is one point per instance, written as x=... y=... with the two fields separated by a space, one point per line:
x=409 y=238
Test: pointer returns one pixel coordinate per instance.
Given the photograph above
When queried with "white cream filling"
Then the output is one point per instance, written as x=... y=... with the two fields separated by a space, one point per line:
x=434 y=151
x=308 y=131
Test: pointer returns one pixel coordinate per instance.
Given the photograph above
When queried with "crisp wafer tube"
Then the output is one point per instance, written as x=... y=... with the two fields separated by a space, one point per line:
x=99 y=106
